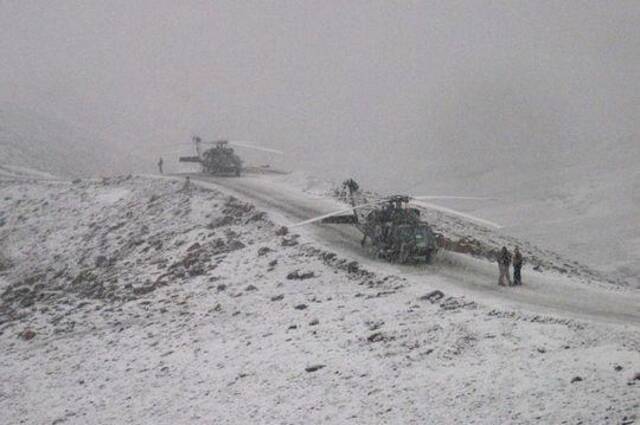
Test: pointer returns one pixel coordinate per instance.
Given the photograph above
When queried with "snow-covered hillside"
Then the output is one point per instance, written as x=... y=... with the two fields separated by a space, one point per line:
x=583 y=203
x=130 y=300
x=44 y=143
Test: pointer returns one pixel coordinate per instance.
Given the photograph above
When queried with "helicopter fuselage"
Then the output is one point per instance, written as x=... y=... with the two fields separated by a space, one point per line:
x=396 y=233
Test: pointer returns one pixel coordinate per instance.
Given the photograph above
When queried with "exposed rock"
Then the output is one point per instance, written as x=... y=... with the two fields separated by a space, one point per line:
x=195 y=246
x=277 y=297
x=314 y=368
x=84 y=276
x=235 y=245
x=102 y=261
x=452 y=303
x=576 y=379
x=250 y=288
x=259 y=216
x=27 y=334
x=353 y=267
x=328 y=256
x=236 y=208
x=220 y=222
x=301 y=307
x=376 y=337
x=142 y=290
x=282 y=231
x=433 y=296
x=296 y=275
x=289 y=242
x=264 y=251
x=628 y=420
x=374 y=325
x=4 y=263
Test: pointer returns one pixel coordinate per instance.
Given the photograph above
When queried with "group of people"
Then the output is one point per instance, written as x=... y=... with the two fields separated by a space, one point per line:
x=504 y=261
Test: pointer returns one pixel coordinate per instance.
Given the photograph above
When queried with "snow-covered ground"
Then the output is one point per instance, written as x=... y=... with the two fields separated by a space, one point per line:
x=129 y=300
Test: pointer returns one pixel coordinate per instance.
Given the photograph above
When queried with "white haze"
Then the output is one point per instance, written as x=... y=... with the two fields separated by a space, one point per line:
x=520 y=100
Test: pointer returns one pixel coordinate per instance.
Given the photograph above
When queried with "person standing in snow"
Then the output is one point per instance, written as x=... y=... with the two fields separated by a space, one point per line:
x=160 y=164
x=504 y=260
x=517 y=267
x=187 y=186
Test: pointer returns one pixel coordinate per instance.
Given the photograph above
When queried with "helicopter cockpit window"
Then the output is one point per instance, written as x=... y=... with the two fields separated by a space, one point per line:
x=405 y=232
x=423 y=234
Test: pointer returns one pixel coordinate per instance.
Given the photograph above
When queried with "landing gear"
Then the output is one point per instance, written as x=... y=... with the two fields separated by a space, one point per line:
x=428 y=257
x=403 y=255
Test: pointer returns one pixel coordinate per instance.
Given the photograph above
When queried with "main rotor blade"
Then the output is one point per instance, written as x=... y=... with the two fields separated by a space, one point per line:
x=458 y=213
x=167 y=152
x=146 y=148
x=259 y=148
x=321 y=217
x=331 y=214
x=473 y=198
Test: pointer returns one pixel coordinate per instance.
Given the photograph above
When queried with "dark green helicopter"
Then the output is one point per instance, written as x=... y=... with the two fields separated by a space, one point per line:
x=394 y=227
x=221 y=159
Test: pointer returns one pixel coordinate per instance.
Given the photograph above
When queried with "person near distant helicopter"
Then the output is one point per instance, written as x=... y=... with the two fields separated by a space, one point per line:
x=504 y=261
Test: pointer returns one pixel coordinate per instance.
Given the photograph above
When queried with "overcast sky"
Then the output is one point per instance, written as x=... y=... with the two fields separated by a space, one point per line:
x=411 y=88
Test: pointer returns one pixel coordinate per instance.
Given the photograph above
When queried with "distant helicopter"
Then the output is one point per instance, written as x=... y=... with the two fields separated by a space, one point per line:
x=395 y=229
x=220 y=159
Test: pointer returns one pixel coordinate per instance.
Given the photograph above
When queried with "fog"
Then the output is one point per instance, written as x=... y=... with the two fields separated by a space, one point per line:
x=401 y=95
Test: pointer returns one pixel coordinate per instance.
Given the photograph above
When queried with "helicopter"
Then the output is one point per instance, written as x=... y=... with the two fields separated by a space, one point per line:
x=395 y=229
x=220 y=159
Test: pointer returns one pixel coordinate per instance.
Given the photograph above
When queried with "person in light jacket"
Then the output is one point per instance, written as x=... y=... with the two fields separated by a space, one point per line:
x=504 y=261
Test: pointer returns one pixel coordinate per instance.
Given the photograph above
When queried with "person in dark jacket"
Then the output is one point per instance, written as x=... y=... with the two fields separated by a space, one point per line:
x=504 y=261
x=160 y=164
x=517 y=267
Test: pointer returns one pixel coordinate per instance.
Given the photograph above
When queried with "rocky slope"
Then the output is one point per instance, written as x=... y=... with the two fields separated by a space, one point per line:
x=130 y=300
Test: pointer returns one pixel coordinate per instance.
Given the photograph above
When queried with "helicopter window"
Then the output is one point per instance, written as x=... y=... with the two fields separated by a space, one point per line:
x=405 y=232
x=425 y=233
